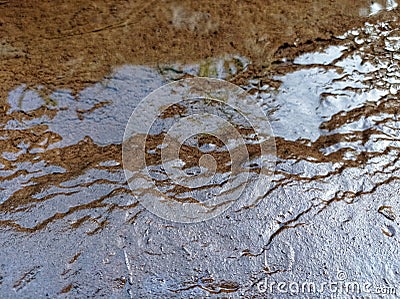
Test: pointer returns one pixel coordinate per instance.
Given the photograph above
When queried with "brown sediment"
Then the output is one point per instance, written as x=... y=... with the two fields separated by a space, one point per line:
x=26 y=278
x=72 y=44
x=67 y=289
x=70 y=201
x=76 y=44
x=86 y=155
x=74 y=258
x=75 y=159
x=96 y=106
x=211 y=286
x=173 y=110
x=191 y=155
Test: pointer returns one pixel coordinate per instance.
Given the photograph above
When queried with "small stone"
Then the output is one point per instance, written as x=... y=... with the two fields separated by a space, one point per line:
x=387 y=212
x=389 y=231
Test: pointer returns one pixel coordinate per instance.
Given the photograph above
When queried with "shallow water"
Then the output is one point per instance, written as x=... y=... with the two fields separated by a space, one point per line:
x=334 y=116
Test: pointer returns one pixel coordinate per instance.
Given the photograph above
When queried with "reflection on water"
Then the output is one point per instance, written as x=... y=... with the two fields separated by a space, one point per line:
x=335 y=117
x=376 y=7
x=163 y=158
x=338 y=110
x=61 y=153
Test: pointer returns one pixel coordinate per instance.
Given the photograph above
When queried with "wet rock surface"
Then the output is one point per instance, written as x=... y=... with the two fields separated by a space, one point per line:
x=70 y=227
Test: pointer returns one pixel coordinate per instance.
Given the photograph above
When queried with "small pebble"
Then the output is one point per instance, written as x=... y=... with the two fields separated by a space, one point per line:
x=389 y=231
x=387 y=212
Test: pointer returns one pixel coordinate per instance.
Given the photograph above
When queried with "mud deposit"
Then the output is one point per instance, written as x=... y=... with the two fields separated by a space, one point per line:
x=328 y=77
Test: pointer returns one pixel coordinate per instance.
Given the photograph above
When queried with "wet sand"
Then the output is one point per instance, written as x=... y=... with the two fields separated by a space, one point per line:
x=71 y=45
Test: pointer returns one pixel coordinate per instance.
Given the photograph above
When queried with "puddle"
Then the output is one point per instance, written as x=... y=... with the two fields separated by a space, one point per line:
x=195 y=146
x=334 y=114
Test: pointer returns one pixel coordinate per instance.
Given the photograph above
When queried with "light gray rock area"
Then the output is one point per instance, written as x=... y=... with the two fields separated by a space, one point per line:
x=328 y=227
